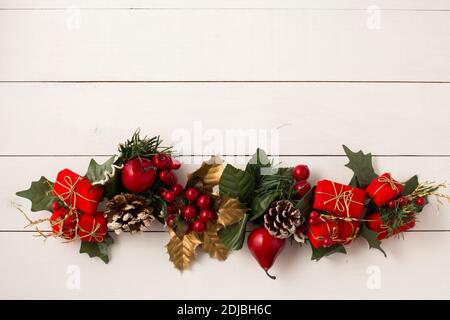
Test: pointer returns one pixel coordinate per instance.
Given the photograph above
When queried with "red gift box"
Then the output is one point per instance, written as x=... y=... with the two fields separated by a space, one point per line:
x=77 y=191
x=339 y=199
x=339 y=231
x=375 y=223
x=383 y=189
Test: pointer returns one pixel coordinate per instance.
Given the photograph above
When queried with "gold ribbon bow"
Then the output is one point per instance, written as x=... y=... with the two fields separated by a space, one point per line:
x=342 y=199
x=71 y=194
x=387 y=181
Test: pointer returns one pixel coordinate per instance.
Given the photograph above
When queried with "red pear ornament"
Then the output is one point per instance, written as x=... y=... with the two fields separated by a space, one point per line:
x=265 y=248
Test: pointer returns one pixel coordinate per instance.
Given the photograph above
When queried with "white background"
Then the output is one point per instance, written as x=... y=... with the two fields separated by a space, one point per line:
x=75 y=82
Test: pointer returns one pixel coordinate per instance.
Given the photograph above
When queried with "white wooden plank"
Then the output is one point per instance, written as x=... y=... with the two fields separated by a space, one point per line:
x=141 y=262
x=286 y=118
x=21 y=171
x=218 y=4
x=179 y=45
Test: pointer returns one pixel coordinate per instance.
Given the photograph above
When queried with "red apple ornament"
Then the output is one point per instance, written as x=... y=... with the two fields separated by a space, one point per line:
x=265 y=248
x=138 y=175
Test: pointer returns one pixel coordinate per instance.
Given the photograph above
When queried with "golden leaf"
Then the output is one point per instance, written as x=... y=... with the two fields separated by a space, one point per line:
x=230 y=211
x=212 y=244
x=208 y=174
x=182 y=251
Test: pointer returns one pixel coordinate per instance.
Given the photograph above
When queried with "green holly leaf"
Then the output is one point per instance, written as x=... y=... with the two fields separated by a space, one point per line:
x=106 y=174
x=100 y=250
x=236 y=183
x=318 y=254
x=257 y=164
x=233 y=236
x=40 y=194
x=361 y=164
x=354 y=182
x=261 y=202
x=371 y=238
x=410 y=186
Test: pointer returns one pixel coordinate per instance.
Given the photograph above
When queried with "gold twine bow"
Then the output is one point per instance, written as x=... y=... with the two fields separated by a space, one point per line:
x=342 y=199
x=70 y=193
x=93 y=233
x=333 y=232
x=387 y=181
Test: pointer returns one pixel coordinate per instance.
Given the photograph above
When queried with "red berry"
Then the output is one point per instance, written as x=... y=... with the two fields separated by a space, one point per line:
x=301 y=188
x=327 y=242
x=403 y=201
x=163 y=193
x=166 y=177
x=420 y=201
x=312 y=221
x=191 y=194
x=175 y=164
x=207 y=215
x=203 y=202
x=314 y=215
x=301 y=172
x=177 y=189
x=55 y=206
x=189 y=212
x=169 y=196
x=171 y=208
x=161 y=161
x=392 y=204
x=171 y=220
x=199 y=226
x=138 y=175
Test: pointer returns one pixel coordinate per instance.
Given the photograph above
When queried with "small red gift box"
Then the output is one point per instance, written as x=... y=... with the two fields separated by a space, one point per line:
x=339 y=199
x=337 y=230
x=77 y=191
x=375 y=223
x=383 y=189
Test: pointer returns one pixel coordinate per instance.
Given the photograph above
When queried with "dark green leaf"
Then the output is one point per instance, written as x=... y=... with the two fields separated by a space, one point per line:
x=410 y=186
x=261 y=202
x=318 y=254
x=100 y=250
x=236 y=183
x=233 y=236
x=40 y=194
x=354 y=182
x=257 y=164
x=180 y=227
x=361 y=164
x=371 y=238
x=106 y=174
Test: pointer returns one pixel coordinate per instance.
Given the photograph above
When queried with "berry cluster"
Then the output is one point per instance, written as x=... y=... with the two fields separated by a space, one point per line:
x=195 y=209
x=301 y=175
x=404 y=201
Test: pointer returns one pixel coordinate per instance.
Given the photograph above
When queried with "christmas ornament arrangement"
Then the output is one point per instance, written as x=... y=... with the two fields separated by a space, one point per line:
x=220 y=204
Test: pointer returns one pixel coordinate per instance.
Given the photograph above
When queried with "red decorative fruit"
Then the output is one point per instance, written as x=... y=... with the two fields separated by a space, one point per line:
x=265 y=248
x=301 y=188
x=199 y=226
x=403 y=201
x=177 y=189
x=207 y=215
x=138 y=175
x=314 y=215
x=63 y=224
x=162 y=161
x=170 y=221
x=175 y=164
x=92 y=228
x=327 y=242
x=392 y=204
x=191 y=194
x=189 y=212
x=55 y=206
x=169 y=196
x=301 y=172
x=167 y=177
x=203 y=202
x=420 y=201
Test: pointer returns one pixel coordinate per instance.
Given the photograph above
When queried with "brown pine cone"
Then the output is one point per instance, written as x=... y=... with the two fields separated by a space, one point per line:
x=130 y=213
x=282 y=219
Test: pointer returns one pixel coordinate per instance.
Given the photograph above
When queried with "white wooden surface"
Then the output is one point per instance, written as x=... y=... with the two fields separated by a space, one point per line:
x=312 y=71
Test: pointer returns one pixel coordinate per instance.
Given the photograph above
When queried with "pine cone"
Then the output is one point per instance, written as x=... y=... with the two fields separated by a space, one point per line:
x=282 y=219
x=129 y=212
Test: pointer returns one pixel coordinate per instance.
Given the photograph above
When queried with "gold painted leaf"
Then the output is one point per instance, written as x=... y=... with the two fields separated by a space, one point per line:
x=182 y=251
x=212 y=243
x=208 y=175
x=230 y=211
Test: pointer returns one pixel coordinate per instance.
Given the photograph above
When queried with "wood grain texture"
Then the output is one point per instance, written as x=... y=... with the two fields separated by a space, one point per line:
x=316 y=119
x=236 y=45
